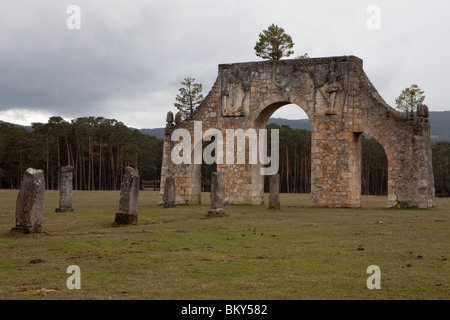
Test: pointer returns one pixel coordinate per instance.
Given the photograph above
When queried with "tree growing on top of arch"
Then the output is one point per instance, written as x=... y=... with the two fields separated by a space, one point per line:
x=274 y=43
x=409 y=99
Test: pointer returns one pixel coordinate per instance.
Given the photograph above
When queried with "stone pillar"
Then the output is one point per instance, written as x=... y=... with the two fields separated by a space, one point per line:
x=422 y=111
x=217 y=194
x=178 y=118
x=128 y=204
x=166 y=156
x=352 y=172
x=412 y=182
x=65 y=190
x=425 y=176
x=169 y=192
x=169 y=119
x=335 y=164
x=274 y=191
x=30 y=202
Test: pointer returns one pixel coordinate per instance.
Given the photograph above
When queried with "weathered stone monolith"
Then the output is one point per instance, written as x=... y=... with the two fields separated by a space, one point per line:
x=169 y=117
x=169 y=192
x=169 y=120
x=178 y=118
x=65 y=190
x=128 y=204
x=422 y=111
x=217 y=194
x=30 y=202
x=274 y=191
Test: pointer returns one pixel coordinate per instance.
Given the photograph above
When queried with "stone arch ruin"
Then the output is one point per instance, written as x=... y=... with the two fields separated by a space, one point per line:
x=341 y=104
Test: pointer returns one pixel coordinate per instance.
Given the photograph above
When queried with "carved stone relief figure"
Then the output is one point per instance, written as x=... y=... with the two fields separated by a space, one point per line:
x=235 y=101
x=332 y=93
x=282 y=79
x=236 y=92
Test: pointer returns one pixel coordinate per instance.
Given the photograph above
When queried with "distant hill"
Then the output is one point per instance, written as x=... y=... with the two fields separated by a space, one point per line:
x=156 y=132
x=439 y=120
x=294 y=124
x=28 y=128
x=440 y=125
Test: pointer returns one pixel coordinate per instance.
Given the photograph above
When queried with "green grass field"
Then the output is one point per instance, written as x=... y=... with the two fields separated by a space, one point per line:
x=295 y=253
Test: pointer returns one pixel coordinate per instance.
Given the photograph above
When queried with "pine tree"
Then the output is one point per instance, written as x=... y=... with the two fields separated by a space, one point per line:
x=189 y=98
x=274 y=43
x=409 y=99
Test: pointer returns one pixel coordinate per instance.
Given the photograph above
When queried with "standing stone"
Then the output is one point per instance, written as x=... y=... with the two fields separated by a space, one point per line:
x=178 y=118
x=65 y=190
x=128 y=204
x=422 y=111
x=169 y=120
x=169 y=117
x=30 y=202
x=217 y=194
x=274 y=191
x=169 y=192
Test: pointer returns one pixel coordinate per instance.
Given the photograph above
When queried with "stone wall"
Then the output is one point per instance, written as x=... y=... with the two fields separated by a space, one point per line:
x=341 y=104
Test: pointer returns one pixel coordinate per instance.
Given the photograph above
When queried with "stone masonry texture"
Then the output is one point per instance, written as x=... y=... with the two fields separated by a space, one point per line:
x=341 y=104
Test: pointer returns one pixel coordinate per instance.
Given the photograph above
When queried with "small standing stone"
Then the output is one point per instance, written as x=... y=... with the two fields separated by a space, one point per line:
x=30 y=202
x=128 y=204
x=217 y=194
x=169 y=117
x=169 y=192
x=422 y=111
x=65 y=190
x=177 y=118
x=274 y=191
x=169 y=120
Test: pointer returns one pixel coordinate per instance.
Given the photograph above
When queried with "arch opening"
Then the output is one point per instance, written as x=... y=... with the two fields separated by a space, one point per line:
x=294 y=145
x=282 y=110
x=373 y=171
x=202 y=172
x=374 y=168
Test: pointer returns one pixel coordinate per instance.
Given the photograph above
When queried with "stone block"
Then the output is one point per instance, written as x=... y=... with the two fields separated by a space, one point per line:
x=169 y=192
x=30 y=202
x=129 y=193
x=65 y=190
x=274 y=191
x=217 y=195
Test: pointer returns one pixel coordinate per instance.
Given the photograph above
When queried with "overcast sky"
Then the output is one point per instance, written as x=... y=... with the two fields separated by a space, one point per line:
x=128 y=58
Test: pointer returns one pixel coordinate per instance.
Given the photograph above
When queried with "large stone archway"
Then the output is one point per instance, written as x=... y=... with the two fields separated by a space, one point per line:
x=341 y=104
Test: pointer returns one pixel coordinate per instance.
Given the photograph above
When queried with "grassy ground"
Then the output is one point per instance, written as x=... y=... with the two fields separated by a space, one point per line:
x=255 y=253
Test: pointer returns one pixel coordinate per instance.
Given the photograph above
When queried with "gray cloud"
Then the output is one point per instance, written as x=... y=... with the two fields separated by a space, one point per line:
x=129 y=57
